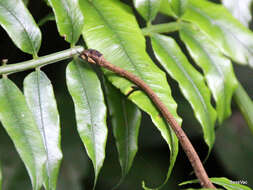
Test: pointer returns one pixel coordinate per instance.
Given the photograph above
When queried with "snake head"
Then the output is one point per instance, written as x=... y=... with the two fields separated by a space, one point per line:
x=92 y=56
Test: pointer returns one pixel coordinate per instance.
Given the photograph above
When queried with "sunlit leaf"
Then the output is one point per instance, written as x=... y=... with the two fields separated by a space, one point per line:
x=19 y=24
x=84 y=87
x=125 y=118
x=218 y=69
x=178 y=6
x=147 y=8
x=231 y=37
x=124 y=45
x=241 y=11
x=20 y=125
x=190 y=81
x=222 y=181
x=41 y=101
x=166 y=8
x=69 y=19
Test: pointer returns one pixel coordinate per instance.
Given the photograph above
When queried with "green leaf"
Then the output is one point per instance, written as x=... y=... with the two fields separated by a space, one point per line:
x=166 y=8
x=84 y=87
x=241 y=11
x=190 y=81
x=41 y=101
x=179 y=6
x=126 y=119
x=222 y=181
x=245 y=105
x=49 y=17
x=19 y=123
x=69 y=19
x=218 y=69
x=20 y=25
x=148 y=9
x=124 y=45
x=233 y=39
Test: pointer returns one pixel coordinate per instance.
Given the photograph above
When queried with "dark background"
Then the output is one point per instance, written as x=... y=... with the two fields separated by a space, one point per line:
x=231 y=156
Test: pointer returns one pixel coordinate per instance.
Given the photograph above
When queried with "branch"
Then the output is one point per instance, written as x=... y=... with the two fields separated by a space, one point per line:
x=41 y=61
x=95 y=57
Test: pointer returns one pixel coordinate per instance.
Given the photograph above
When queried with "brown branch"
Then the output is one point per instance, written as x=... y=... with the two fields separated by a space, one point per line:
x=96 y=57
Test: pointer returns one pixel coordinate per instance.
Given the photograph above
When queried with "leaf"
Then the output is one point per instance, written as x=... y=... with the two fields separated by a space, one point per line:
x=22 y=129
x=190 y=81
x=41 y=101
x=117 y=35
x=233 y=39
x=241 y=11
x=20 y=25
x=179 y=6
x=69 y=19
x=218 y=69
x=49 y=17
x=222 y=181
x=84 y=87
x=245 y=105
x=166 y=8
x=147 y=8
x=126 y=119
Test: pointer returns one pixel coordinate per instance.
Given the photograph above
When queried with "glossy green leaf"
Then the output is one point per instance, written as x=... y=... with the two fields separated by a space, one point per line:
x=20 y=25
x=84 y=87
x=124 y=45
x=126 y=119
x=245 y=105
x=231 y=37
x=218 y=69
x=69 y=19
x=241 y=11
x=147 y=8
x=41 y=101
x=222 y=181
x=179 y=6
x=19 y=123
x=190 y=81
x=166 y=8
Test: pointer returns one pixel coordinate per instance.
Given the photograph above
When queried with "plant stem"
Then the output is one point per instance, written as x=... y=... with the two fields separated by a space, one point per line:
x=41 y=61
x=161 y=28
x=95 y=57
x=245 y=104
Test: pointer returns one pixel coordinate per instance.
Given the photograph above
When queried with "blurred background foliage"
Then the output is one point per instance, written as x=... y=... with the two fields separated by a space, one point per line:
x=231 y=157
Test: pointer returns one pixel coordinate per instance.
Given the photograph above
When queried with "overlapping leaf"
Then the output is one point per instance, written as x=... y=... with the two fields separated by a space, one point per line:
x=166 y=8
x=19 y=123
x=84 y=87
x=19 y=24
x=126 y=118
x=117 y=35
x=241 y=11
x=190 y=82
x=147 y=8
x=218 y=69
x=224 y=182
x=178 y=6
x=233 y=39
x=69 y=19
x=41 y=101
